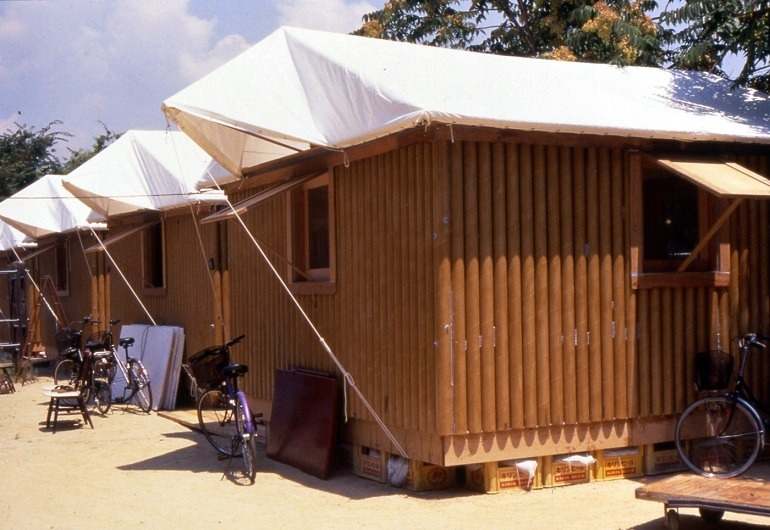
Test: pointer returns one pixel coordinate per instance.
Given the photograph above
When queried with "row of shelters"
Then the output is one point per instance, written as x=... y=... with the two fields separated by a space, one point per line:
x=510 y=257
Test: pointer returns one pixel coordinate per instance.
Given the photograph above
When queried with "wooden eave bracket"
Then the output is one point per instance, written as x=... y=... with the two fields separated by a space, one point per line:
x=710 y=234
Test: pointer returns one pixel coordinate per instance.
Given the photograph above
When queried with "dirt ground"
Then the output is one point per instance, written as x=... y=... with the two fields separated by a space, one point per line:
x=137 y=471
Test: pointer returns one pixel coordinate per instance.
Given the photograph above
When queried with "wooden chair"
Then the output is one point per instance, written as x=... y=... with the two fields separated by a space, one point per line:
x=71 y=397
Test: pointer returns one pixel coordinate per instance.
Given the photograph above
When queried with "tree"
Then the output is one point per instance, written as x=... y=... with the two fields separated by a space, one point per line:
x=610 y=31
x=26 y=154
x=708 y=32
x=79 y=156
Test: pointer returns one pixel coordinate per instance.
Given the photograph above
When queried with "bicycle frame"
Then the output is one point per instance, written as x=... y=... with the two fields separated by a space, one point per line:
x=742 y=391
x=239 y=396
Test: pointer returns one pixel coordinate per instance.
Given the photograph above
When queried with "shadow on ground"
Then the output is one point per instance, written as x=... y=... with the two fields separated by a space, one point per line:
x=694 y=522
x=199 y=457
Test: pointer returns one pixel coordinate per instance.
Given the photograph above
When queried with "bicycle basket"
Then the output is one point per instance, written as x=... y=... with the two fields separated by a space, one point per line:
x=67 y=338
x=713 y=370
x=207 y=366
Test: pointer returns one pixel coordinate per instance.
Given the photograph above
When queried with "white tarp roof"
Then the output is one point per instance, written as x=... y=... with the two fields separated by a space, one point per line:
x=300 y=87
x=45 y=207
x=146 y=170
x=10 y=238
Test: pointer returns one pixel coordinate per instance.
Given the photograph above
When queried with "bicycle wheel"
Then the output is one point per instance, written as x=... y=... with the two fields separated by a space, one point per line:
x=65 y=372
x=141 y=393
x=102 y=396
x=719 y=436
x=216 y=417
x=248 y=441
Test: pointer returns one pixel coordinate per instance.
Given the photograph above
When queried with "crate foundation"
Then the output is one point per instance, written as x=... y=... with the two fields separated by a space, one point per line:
x=614 y=464
x=370 y=463
x=557 y=471
x=509 y=475
x=662 y=458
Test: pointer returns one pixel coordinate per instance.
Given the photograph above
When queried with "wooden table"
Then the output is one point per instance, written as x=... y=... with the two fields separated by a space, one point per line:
x=748 y=494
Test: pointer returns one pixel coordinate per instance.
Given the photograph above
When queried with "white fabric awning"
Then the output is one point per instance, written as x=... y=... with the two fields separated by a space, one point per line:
x=300 y=88
x=45 y=207
x=147 y=171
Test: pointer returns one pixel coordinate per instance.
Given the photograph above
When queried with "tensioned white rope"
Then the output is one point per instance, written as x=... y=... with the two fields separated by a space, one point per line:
x=202 y=248
x=123 y=276
x=34 y=283
x=345 y=374
x=85 y=257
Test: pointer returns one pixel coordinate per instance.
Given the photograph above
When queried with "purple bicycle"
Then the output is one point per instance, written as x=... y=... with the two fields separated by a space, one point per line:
x=223 y=410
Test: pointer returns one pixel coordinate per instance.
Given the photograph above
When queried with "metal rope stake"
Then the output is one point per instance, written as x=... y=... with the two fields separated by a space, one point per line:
x=125 y=280
x=34 y=283
x=345 y=374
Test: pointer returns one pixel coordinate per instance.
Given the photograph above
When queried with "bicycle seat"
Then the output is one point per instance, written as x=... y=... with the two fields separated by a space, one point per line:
x=126 y=342
x=235 y=370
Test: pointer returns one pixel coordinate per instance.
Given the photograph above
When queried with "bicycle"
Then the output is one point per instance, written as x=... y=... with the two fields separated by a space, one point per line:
x=97 y=390
x=137 y=388
x=224 y=416
x=721 y=434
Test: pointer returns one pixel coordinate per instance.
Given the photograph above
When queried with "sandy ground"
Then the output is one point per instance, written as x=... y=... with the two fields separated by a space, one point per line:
x=137 y=471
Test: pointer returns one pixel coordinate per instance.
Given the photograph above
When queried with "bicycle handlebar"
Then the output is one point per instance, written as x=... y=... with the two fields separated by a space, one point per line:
x=754 y=339
x=236 y=340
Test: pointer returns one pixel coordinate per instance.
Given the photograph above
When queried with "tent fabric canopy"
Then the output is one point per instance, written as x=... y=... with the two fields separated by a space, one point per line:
x=146 y=171
x=724 y=179
x=13 y=238
x=301 y=88
x=46 y=207
x=246 y=204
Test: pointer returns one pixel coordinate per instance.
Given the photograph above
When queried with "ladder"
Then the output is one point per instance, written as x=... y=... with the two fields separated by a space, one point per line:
x=47 y=293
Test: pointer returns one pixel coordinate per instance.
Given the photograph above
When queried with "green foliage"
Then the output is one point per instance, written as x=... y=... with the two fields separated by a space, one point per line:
x=611 y=31
x=26 y=154
x=709 y=31
x=80 y=156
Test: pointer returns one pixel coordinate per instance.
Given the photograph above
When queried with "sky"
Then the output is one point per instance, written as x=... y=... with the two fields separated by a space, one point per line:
x=86 y=61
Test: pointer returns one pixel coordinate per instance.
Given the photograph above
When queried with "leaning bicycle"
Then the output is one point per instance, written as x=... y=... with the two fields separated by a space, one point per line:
x=722 y=434
x=137 y=389
x=223 y=410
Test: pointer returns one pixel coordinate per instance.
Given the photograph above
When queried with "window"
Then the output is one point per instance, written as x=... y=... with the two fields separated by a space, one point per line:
x=311 y=247
x=671 y=221
x=670 y=218
x=153 y=257
x=61 y=274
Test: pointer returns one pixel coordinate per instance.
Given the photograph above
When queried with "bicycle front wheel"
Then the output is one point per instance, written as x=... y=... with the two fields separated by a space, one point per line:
x=217 y=420
x=248 y=440
x=719 y=436
x=102 y=396
x=141 y=392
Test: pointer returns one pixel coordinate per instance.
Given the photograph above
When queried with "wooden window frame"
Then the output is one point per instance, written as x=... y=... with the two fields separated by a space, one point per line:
x=710 y=208
x=319 y=282
x=68 y=267
x=154 y=291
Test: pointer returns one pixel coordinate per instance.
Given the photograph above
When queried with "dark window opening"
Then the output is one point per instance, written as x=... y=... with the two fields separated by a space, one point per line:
x=62 y=268
x=153 y=257
x=318 y=227
x=311 y=231
x=671 y=220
